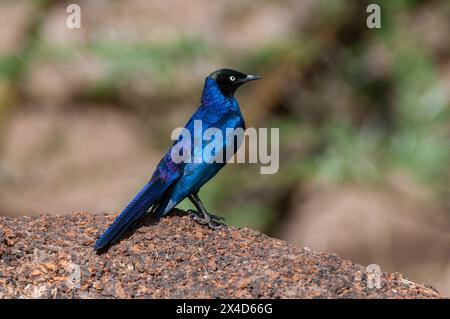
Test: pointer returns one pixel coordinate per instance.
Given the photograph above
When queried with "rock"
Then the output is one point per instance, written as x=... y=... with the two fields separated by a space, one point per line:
x=175 y=257
x=399 y=230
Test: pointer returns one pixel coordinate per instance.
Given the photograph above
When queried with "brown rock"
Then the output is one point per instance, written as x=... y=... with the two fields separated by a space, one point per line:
x=175 y=257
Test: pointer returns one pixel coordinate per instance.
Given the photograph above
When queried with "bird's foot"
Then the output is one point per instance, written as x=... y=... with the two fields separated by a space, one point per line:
x=213 y=221
x=217 y=218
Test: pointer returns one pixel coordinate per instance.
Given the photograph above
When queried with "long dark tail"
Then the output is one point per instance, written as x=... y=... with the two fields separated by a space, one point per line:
x=140 y=204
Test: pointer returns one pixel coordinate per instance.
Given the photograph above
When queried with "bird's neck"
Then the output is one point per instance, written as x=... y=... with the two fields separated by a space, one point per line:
x=214 y=98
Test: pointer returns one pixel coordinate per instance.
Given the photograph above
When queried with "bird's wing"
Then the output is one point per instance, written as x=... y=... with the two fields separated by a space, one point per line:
x=164 y=176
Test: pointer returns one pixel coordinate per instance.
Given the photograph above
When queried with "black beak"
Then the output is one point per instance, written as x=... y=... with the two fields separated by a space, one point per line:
x=250 y=78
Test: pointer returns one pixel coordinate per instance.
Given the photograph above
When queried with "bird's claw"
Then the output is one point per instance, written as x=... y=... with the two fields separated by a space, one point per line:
x=215 y=224
x=217 y=218
x=213 y=221
x=194 y=213
x=200 y=220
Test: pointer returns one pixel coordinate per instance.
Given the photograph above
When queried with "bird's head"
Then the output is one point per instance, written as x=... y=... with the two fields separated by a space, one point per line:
x=228 y=80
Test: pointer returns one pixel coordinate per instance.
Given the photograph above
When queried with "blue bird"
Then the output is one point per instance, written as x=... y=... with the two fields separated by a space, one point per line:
x=172 y=181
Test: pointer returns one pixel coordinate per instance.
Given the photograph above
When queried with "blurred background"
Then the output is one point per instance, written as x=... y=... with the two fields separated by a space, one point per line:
x=364 y=116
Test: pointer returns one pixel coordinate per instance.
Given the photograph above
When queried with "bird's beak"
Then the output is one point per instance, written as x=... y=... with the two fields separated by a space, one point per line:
x=250 y=78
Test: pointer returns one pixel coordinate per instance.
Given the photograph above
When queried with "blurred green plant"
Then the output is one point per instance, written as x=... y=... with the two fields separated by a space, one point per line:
x=339 y=147
x=419 y=139
x=156 y=58
x=339 y=150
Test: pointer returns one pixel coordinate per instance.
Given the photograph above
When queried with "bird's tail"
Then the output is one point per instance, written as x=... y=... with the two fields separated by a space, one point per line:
x=139 y=205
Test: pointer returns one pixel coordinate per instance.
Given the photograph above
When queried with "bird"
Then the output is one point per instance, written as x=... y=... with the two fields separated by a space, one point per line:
x=173 y=181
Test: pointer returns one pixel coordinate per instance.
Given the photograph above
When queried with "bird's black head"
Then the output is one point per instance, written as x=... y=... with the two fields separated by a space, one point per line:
x=229 y=80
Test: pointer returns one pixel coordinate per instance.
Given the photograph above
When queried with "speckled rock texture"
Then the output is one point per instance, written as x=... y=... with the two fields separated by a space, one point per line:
x=52 y=257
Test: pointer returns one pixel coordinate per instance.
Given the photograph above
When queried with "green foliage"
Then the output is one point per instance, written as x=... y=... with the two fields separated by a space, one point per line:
x=351 y=154
x=160 y=59
x=398 y=121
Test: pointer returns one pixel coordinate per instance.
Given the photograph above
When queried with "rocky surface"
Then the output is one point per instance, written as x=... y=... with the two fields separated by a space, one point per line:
x=52 y=257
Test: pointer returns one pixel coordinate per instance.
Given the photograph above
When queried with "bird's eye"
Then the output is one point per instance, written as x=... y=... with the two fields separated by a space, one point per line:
x=232 y=78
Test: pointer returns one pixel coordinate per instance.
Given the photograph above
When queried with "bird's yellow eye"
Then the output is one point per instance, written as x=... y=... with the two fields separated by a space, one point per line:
x=232 y=78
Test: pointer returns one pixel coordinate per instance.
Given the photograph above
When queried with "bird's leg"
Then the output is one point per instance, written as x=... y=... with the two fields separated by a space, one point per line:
x=213 y=221
x=199 y=205
x=197 y=214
